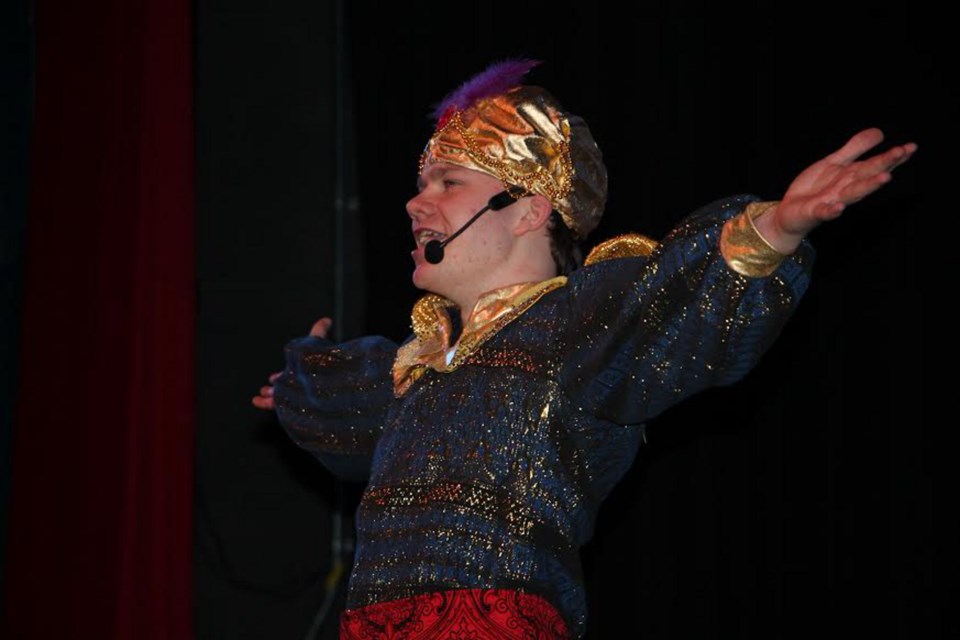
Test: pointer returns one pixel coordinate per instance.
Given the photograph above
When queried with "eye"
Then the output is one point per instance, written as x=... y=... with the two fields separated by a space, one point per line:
x=447 y=182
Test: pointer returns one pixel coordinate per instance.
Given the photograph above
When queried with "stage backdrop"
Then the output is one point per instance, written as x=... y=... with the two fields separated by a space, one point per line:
x=100 y=524
x=267 y=169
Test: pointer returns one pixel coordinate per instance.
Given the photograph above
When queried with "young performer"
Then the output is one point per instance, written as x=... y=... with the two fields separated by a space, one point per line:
x=490 y=437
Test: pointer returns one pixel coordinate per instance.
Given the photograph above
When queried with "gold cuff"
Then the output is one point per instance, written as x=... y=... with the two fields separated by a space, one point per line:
x=744 y=249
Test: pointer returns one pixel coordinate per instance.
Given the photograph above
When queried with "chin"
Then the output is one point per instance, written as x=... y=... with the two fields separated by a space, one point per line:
x=420 y=279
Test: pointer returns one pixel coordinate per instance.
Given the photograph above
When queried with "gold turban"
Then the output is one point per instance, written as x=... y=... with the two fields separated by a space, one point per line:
x=524 y=137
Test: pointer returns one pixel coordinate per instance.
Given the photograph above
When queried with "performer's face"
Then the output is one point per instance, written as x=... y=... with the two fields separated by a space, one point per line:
x=449 y=195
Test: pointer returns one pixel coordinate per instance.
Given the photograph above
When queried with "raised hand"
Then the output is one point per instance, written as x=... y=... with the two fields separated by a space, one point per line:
x=824 y=189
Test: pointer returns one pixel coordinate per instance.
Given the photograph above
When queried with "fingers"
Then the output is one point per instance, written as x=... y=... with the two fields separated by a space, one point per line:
x=875 y=172
x=265 y=399
x=866 y=140
x=828 y=210
x=886 y=161
x=263 y=402
x=901 y=154
x=857 y=180
x=860 y=189
x=857 y=146
x=321 y=327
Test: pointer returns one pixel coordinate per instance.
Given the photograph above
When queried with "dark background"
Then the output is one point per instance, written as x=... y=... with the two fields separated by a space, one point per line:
x=809 y=498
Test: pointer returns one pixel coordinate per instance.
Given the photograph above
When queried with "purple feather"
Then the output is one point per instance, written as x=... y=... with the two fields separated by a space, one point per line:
x=494 y=80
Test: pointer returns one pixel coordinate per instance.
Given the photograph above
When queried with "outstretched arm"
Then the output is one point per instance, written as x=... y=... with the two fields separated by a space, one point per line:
x=332 y=398
x=824 y=189
x=644 y=333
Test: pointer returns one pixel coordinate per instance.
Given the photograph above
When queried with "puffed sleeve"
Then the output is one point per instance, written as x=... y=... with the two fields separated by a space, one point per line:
x=646 y=332
x=332 y=399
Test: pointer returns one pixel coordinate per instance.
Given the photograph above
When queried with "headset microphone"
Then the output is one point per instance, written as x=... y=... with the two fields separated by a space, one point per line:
x=433 y=252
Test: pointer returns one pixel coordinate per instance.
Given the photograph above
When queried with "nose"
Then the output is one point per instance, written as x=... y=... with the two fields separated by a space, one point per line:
x=419 y=206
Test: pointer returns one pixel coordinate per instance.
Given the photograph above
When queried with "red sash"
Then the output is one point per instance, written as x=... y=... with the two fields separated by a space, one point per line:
x=468 y=614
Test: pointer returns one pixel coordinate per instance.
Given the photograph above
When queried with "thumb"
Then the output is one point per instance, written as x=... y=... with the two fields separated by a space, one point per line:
x=321 y=327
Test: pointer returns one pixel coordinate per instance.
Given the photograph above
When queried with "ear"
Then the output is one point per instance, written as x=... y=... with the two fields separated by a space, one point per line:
x=535 y=216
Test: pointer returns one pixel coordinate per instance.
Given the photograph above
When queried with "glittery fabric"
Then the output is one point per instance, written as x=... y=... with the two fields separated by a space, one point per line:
x=332 y=399
x=488 y=474
x=466 y=614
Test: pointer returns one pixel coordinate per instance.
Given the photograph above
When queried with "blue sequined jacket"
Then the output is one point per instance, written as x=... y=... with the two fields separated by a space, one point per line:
x=488 y=473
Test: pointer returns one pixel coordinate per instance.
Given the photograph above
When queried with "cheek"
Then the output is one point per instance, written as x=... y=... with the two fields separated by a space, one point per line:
x=479 y=251
x=490 y=242
x=481 y=255
x=496 y=245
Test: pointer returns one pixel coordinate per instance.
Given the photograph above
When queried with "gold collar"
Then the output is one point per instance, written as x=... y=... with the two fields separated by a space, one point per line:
x=432 y=329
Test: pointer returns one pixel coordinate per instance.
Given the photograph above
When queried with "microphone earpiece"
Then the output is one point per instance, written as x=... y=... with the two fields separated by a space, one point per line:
x=505 y=198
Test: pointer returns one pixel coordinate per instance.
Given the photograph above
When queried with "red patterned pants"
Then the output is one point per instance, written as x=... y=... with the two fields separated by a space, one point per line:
x=469 y=614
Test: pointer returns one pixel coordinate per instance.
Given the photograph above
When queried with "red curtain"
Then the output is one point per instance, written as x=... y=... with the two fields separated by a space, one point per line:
x=100 y=540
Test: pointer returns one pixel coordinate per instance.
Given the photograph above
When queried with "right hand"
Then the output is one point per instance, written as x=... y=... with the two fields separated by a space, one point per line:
x=265 y=399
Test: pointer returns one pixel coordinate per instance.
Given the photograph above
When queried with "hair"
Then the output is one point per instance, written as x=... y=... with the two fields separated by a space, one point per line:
x=564 y=246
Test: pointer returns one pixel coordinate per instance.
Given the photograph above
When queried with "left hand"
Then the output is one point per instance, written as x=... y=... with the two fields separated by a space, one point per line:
x=824 y=189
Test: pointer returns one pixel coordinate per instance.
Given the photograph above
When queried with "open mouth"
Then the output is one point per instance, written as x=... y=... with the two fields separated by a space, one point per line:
x=423 y=236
